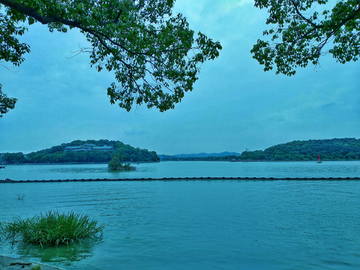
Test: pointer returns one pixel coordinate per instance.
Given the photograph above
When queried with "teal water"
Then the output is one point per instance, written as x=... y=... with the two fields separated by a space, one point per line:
x=198 y=224
x=185 y=169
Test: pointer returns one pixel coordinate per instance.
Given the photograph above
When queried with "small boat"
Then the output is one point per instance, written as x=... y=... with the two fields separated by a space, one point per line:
x=319 y=161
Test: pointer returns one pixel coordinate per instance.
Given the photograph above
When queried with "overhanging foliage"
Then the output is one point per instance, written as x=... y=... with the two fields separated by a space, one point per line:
x=153 y=54
x=301 y=29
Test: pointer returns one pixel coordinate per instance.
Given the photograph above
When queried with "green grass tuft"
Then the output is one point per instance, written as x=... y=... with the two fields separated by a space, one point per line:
x=52 y=228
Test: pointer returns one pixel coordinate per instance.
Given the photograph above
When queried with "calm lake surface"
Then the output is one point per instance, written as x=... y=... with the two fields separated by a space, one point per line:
x=222 y=224
x=185 y=169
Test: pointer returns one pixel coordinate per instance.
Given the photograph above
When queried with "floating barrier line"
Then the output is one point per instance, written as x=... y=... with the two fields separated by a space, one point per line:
x=184 y=179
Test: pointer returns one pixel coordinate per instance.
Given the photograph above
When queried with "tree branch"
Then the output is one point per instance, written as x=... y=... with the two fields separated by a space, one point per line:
x=303 y=17
x=36 y=15
x=47 y=19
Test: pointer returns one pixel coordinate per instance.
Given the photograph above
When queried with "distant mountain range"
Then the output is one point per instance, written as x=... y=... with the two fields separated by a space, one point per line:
x=330 y=149
x=199 y=155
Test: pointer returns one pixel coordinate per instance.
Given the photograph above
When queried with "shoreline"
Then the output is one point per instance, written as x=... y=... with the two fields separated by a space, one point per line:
x=17 y=264
x=3 y=165
x=186 y=179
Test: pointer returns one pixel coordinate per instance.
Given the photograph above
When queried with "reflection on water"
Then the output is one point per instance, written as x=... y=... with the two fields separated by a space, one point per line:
x=76 y=170
x=64 y=254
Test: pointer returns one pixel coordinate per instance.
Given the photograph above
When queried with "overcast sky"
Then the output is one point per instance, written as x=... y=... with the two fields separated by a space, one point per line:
x=235 y=105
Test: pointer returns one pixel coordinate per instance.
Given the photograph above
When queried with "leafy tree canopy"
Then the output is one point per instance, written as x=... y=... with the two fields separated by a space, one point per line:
x=154 y=54
x=115 y=164
x=6 y=103
x=301 y=29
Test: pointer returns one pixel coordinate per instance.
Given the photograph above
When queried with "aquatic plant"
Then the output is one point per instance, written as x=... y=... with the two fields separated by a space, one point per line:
x=52 y=228
x=36 y=267
x=20 y=196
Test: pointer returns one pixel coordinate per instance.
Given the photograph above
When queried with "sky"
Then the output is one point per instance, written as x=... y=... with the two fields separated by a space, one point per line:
x=234 y=106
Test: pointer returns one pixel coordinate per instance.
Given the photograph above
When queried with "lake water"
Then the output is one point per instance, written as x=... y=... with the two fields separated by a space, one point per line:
x=222 y=224
x=186 y=169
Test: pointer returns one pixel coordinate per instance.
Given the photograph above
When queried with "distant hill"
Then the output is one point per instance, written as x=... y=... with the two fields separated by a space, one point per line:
x=90 y=151
x=200 y=156
x=332 y=149
x=222 y=154
x=101 y=151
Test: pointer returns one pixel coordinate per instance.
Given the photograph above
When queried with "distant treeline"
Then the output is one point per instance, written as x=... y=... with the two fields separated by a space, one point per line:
x=56 y=154
x=332 y=149
x=209 y=158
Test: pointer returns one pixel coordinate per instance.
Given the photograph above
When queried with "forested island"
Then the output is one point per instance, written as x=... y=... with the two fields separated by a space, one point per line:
x=90 y=151
x=331 y=149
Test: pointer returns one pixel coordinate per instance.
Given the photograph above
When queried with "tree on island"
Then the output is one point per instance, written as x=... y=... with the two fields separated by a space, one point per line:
x=115 y=164
x=154 y=54
x=302 y=30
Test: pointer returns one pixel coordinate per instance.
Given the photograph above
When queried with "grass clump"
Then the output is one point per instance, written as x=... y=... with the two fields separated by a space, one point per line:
x=53 y=228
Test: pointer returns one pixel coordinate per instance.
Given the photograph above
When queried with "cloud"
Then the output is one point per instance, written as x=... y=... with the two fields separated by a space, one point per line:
x=234 y=105
x=229 y=5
